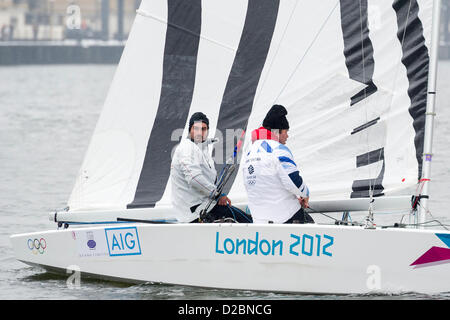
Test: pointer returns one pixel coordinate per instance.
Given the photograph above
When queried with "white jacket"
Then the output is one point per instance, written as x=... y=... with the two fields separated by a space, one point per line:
x=193 y=177
x=272 y=181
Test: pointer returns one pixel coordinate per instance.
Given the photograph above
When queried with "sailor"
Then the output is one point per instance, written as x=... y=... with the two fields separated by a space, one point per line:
x=193 y=177
x=276 y=191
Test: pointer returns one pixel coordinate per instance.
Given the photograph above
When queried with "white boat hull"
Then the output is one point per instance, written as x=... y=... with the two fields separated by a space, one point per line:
x=285 y=258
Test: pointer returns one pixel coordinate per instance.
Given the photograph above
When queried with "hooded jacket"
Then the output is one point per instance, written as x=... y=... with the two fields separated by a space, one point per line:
x=193 y=177
x=272 y=179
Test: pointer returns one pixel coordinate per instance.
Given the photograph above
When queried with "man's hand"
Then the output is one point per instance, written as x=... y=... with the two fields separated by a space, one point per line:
x=223 y=201
x=304 y=202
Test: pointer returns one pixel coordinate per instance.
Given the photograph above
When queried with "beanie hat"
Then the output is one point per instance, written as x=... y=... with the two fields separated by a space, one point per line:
x=198 y=116
x=276 y=118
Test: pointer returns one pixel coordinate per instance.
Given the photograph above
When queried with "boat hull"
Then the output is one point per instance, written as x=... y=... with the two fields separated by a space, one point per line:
x=281 y=258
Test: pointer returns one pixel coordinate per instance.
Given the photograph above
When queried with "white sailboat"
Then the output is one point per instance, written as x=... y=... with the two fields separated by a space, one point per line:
x=358 y=80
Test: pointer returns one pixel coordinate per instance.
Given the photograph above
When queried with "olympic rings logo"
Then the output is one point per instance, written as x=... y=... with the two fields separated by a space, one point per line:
x=37 y=245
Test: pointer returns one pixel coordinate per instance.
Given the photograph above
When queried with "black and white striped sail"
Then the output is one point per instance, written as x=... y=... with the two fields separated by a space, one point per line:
x=352 y=75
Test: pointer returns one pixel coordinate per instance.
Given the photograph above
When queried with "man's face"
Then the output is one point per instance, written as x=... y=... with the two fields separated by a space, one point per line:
x=199 y=132
x=283 y=136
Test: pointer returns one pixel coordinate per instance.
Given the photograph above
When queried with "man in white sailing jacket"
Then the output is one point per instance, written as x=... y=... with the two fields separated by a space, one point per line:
x=276 y=191
x=193 y=176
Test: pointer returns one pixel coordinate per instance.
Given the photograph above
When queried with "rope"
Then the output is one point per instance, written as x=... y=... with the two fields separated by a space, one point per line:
x=233 y=212
x=275 y=55
x=336 y=221
x=306 y=52
x=439 y=224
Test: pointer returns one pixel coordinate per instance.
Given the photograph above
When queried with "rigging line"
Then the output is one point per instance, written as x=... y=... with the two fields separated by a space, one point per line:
x=353 y=223
x=427 y=211
x=276 y=54
x=428 y=222
x=418 y=192
x=240 y=213
x=365 y=94
x=225 y=220
x=306 y=52
x=314 y=211
x=232 y=212
x=154 y=17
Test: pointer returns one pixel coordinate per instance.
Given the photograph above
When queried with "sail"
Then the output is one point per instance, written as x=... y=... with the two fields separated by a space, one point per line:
x=352 y=75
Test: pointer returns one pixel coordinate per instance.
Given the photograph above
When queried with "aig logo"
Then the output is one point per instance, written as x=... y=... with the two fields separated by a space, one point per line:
x=123 y=241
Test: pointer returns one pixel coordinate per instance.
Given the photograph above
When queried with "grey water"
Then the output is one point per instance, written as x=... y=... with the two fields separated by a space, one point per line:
x=47 y=116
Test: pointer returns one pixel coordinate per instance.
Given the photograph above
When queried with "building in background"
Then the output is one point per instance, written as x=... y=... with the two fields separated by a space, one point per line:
x=91 y=19
x=66 y=19
x=36 y=31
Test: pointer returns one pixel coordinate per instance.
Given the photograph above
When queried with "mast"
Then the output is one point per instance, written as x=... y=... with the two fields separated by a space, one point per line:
x=430 y=114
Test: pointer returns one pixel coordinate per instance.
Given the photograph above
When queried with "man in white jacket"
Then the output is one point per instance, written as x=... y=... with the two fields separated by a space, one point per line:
x=193 y=176
x=276 y=191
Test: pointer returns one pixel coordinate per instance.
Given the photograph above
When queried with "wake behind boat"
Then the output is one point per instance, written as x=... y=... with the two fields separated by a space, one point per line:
x=359 y=84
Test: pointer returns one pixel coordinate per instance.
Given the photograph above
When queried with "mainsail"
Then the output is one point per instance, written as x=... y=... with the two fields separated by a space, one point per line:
x=352 y=75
